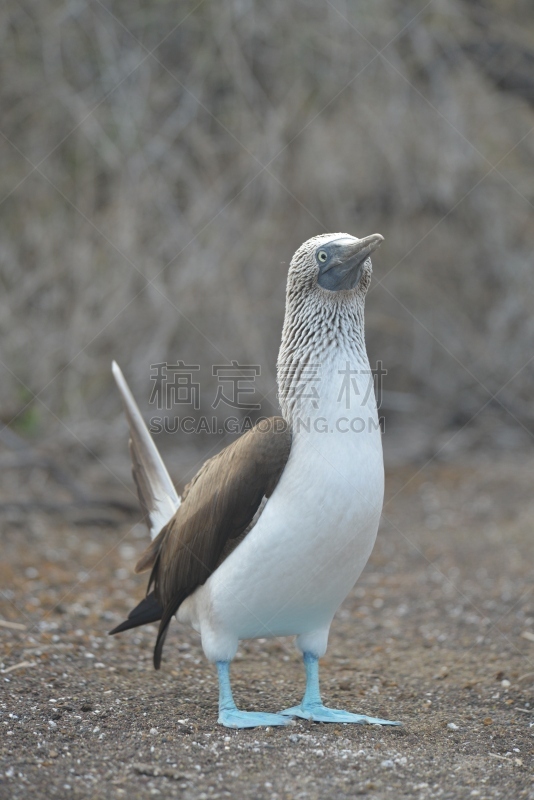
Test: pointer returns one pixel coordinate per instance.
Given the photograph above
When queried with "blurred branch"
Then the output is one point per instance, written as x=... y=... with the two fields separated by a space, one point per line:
x=507 y=64
x=500 y=46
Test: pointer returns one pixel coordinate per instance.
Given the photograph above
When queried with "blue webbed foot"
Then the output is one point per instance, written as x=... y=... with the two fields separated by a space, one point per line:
x=312 y=708
x=233 y=718
x=320 y=713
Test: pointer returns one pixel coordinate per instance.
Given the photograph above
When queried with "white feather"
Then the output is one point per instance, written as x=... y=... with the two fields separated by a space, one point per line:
x=163 y=500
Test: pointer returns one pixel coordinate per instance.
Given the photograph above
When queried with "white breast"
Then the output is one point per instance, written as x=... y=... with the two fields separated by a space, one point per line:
x=292 y=571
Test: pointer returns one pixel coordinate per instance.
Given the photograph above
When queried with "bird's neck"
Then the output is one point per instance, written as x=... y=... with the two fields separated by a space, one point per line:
x=320 y=342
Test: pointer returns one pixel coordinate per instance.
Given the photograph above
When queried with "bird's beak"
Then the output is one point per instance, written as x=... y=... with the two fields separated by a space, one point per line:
x=360 y=249
x=344 y=269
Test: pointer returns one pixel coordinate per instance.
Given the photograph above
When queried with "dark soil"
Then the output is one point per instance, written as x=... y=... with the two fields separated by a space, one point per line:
x=438 y=633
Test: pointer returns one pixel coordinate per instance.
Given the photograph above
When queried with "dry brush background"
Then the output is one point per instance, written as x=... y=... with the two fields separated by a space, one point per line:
x=160 y=165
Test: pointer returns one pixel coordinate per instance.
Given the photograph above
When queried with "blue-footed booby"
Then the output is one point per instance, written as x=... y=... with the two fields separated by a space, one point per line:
x=273 y=532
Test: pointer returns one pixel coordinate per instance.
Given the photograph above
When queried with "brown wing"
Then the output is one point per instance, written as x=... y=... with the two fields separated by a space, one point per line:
x=218 y=504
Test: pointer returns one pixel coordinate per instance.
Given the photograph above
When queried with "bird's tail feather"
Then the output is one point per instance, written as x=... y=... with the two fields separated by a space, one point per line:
x=157 y=495
x=148 y=610
x=166 y=618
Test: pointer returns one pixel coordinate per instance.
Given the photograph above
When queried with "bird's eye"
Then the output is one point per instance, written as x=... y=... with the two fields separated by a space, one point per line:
x=322 y=255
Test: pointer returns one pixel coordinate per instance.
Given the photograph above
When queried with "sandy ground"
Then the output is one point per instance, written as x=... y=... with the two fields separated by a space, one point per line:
x=438 y=633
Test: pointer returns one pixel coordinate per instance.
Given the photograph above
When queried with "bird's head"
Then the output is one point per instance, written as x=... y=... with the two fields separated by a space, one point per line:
x=328 y=279
x=333 y=265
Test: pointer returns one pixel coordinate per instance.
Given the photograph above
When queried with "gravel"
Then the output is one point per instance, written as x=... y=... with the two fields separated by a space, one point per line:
x=433 y=635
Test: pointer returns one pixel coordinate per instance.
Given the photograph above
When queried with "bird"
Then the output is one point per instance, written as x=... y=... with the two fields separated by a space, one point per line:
x=272 y=533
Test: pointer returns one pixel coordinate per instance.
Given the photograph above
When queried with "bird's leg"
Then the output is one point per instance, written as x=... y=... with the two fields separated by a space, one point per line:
x=312 y=707
x=230 y=716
